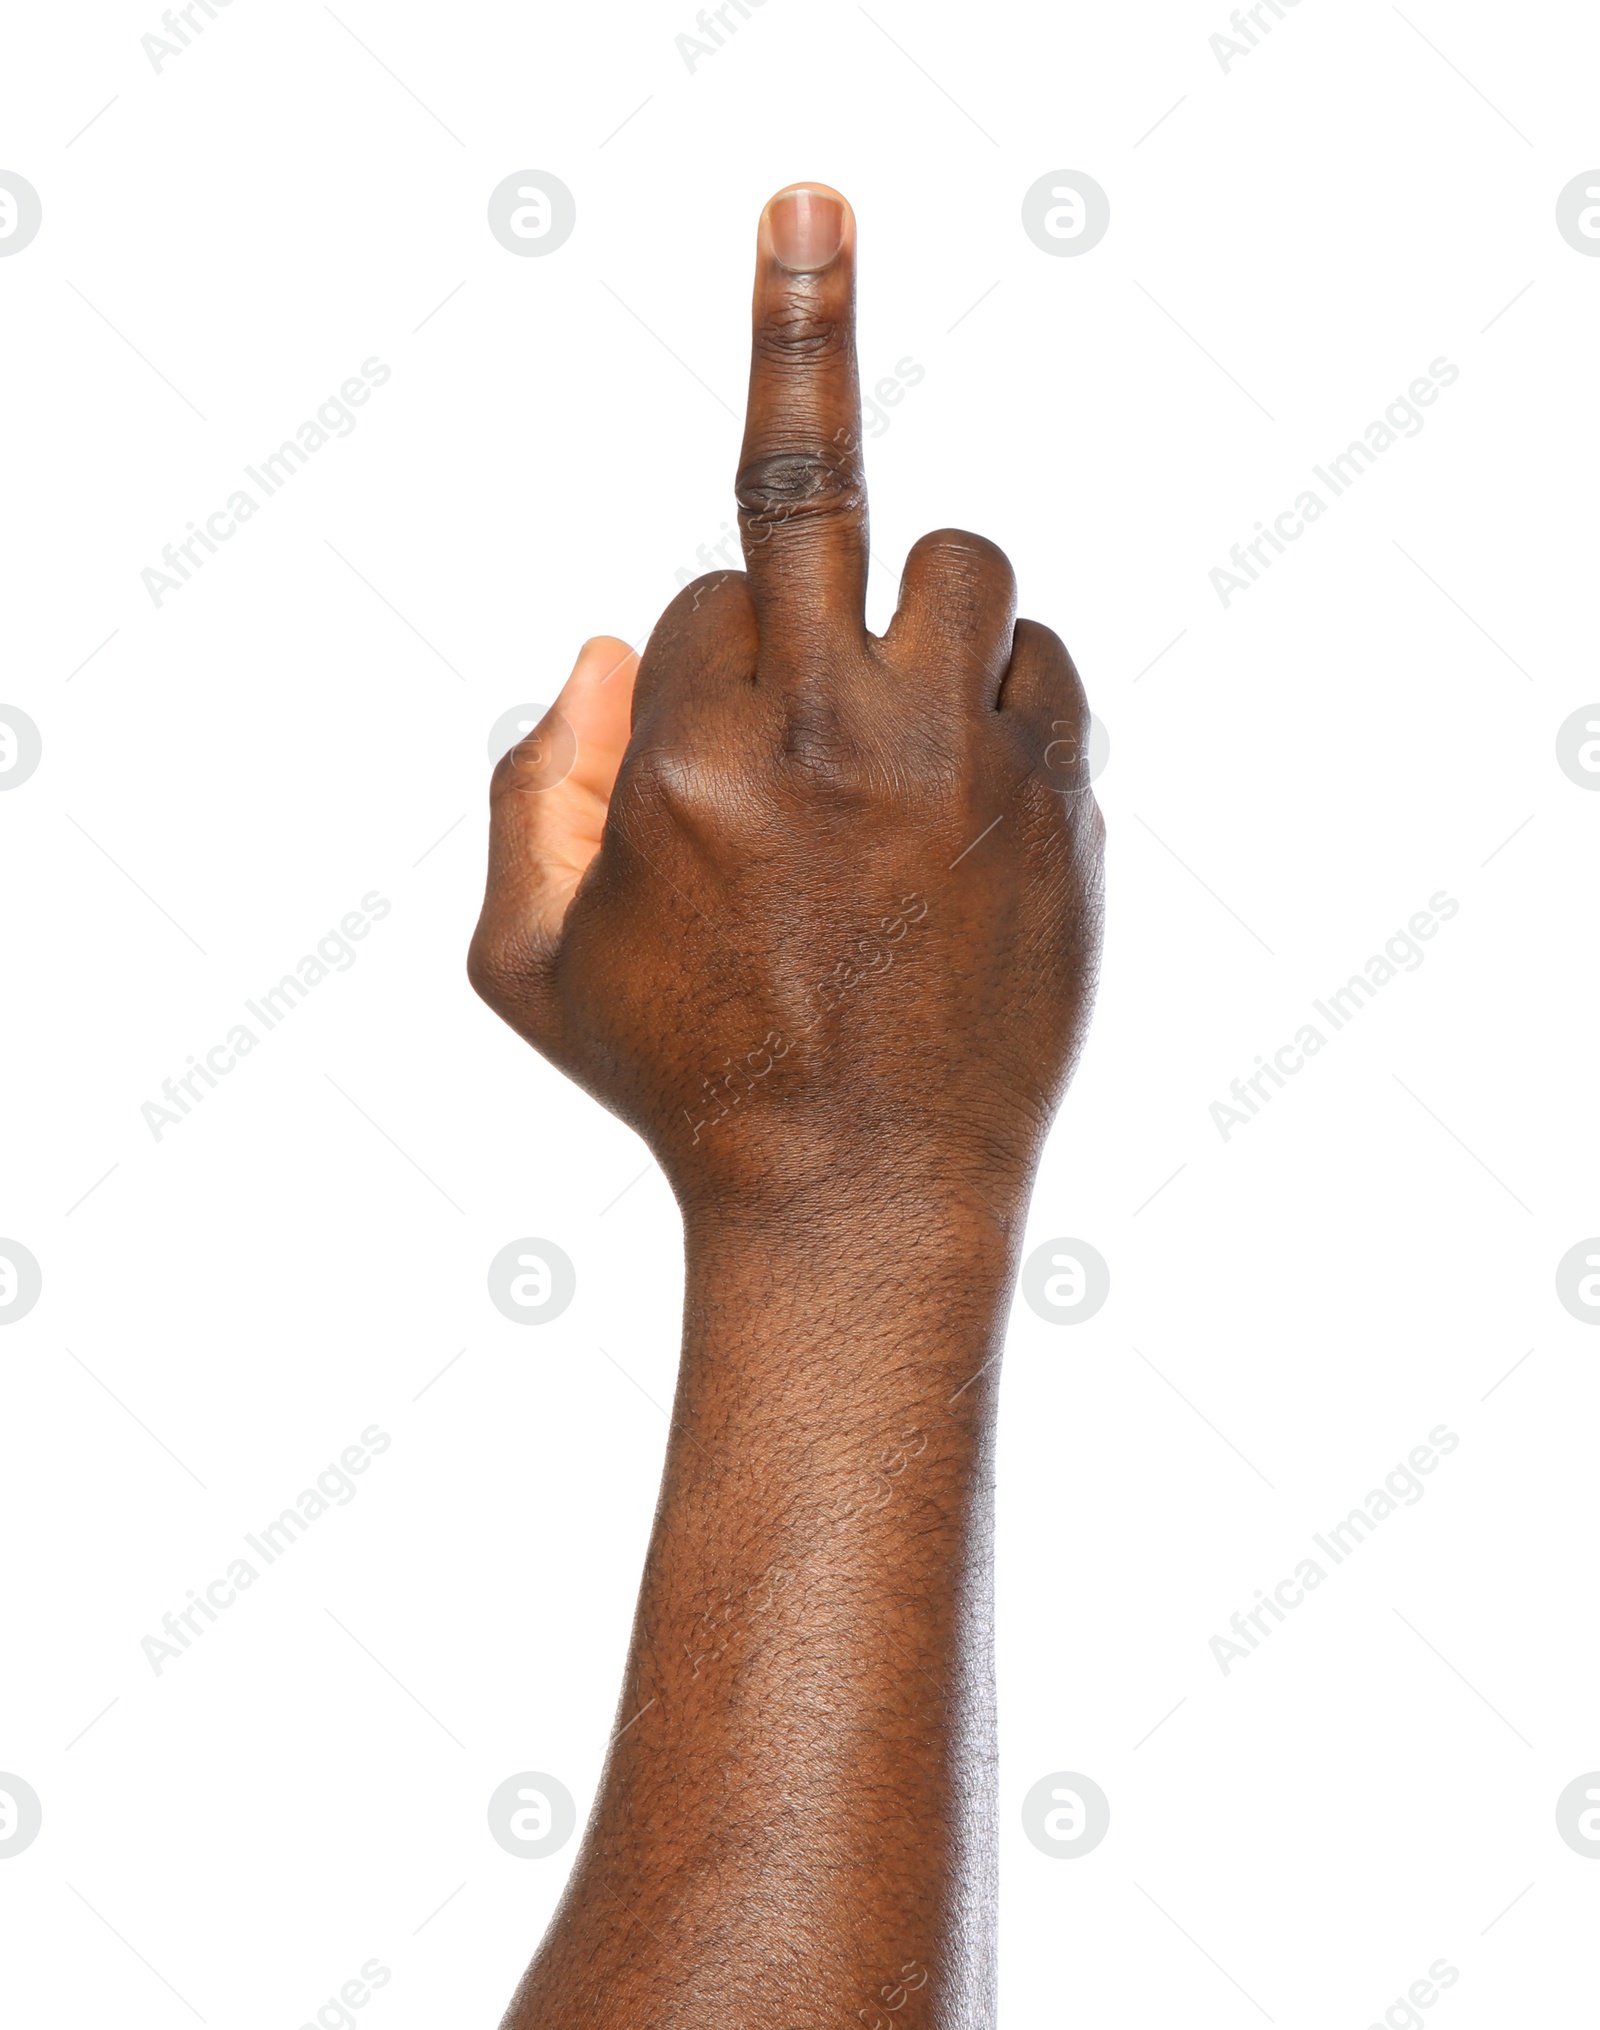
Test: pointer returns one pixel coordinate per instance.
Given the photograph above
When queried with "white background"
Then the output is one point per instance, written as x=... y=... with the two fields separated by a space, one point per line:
x=1295 y=776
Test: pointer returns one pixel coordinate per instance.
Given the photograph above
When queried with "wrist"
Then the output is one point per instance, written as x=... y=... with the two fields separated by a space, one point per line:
x=864 y=1295
x=857 y=1232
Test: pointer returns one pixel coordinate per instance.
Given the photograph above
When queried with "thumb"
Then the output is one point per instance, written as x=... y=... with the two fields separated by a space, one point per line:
x=548 y=799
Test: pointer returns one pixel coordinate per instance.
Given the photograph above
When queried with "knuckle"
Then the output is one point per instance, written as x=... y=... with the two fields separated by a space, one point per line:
x=708 y=590
x=824 y=760
x=684 y=786
x=539 y=761
x=964 y=576
x=799 y=483
x=963 y=548
x=509 y=967
x=1044 y=643
x=492 y=970
x=798 y=332
x=505 y=774
x=1047 y=676
x=955 y=581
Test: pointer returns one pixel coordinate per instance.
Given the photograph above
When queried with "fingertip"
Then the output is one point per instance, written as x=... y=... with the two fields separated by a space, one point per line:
x=596 y=700
x=600 y=688
x=806 y=226
x=602 y=657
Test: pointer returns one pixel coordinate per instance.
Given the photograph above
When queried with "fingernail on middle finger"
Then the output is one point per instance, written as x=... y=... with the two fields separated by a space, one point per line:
x=807 y=229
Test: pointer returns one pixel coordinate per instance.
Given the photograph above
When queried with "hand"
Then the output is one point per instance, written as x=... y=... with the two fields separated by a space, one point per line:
x=824 y=915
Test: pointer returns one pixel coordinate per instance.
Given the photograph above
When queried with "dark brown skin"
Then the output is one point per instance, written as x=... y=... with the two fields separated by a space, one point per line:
x=823 y=928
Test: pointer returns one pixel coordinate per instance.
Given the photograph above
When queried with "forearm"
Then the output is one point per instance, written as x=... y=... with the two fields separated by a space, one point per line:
x=798 y=1814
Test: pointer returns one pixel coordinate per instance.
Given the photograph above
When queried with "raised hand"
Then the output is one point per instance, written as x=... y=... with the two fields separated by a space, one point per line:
x=828 y=899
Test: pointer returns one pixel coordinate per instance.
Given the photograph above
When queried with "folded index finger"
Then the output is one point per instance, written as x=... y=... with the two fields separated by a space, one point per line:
x=802 y=486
